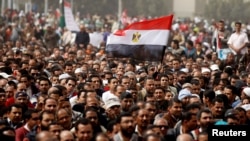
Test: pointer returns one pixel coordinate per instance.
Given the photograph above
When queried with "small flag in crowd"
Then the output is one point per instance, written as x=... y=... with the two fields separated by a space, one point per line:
x=143 y=41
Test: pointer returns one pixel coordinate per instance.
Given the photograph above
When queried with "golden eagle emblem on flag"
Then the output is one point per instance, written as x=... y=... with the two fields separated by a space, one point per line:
x=136 y=37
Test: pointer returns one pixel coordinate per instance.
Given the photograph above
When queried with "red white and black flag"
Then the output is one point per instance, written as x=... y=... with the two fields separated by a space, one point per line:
x=143 y=41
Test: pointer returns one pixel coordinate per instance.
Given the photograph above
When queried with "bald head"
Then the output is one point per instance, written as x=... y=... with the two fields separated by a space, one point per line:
x=184 y=137
x=66 y=136
x=45 y=136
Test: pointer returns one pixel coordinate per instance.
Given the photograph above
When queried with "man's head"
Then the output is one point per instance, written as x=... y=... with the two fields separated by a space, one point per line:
x=84 y=130
x=127 y=126
x=31 y=117
x=21 y=98
x=46 y=118
x=15 y=113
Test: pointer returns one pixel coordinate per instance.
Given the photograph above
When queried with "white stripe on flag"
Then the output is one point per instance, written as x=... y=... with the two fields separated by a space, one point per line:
x=147 y=37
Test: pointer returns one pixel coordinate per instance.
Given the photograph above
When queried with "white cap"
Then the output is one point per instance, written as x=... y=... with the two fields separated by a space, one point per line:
x=112 y=102
x=5 y=75
x=64 y=76
x=203 y=70
x=214 y=67
x=78 y=70
x=246 y=107
x=247 y=91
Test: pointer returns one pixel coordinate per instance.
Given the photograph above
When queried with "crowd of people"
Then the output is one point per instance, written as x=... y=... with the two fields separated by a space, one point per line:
x=56 y=85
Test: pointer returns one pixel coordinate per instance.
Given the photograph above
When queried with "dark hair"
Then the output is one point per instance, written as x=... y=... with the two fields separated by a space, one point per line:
x=232 y=88
x=110 y=125
x=123 y=114
x=210 y=94
x=45 y=112
x=145 y=138
x=14 y=105
x=28 y=114
x=206 y=110
x=174 y=100
x=82 y=121
x=187 y=116
x=193 y=106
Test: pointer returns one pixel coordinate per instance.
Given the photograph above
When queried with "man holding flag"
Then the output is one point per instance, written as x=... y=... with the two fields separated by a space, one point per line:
x=145 y=41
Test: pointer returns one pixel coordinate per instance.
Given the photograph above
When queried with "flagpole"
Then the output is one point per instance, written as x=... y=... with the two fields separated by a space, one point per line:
x=62 y=17
x=119 y=7
x=2 y=7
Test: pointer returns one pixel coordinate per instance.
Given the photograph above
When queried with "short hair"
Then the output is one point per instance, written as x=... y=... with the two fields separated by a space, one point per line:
x=82 y=121
x=110 y=125
x=45 y=100
x=45 y=112
x=29 y=112
x=206 y=110
x=174 y=100
x=124 y=114
x=146 y=137
x=53 y=123
x=44 y=79
x=193 y=106
x=14 y=105
x=238 y=23
x=210 y=94
x=186 y=116
x=232 y=88
x=217 y=99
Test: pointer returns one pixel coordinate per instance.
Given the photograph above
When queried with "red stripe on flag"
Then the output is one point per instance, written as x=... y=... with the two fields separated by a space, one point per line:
x=66 y=4
x=158 y=23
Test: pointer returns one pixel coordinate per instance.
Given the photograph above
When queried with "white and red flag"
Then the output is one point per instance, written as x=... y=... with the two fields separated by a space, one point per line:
x=144 y=40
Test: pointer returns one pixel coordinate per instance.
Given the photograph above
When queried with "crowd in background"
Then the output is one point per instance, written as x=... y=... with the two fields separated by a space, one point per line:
x=60 y=85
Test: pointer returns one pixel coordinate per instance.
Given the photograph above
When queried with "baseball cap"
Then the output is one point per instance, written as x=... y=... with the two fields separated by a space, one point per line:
x=112 y=102
x=231 y=113
x=21 y=94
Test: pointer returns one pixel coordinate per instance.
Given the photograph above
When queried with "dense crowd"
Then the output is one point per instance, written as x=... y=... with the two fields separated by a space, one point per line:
x=58 y=85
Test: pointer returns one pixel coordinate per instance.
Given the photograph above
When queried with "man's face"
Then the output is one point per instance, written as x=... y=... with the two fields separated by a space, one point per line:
x=50 y=105
x=64 y=119
x=46 y=120
x=84 y=132
x=217 y=108
x=142 y=119
x=70 y=85
x=2 y=99
x=126 y=103
x=23 y=100
x=92 y=116
x=150 y=86
x=127 y=126
x=205 y=120
x=44 y=86
x=176 y=109
x=221 y=26
x=15 y=115
x=55 y=130
x=159 y=94
x=34 y=120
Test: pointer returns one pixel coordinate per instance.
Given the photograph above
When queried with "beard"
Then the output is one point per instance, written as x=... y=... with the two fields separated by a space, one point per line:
x=44 y=128
x=127 y=132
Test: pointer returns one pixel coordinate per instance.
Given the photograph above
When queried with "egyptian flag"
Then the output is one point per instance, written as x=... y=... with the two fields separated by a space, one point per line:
x=145 y=41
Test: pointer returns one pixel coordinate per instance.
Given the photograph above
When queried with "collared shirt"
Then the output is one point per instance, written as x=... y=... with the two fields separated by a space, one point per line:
x=118 y=137
x=15 y=126
x=137 y=131
x=26 y=127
